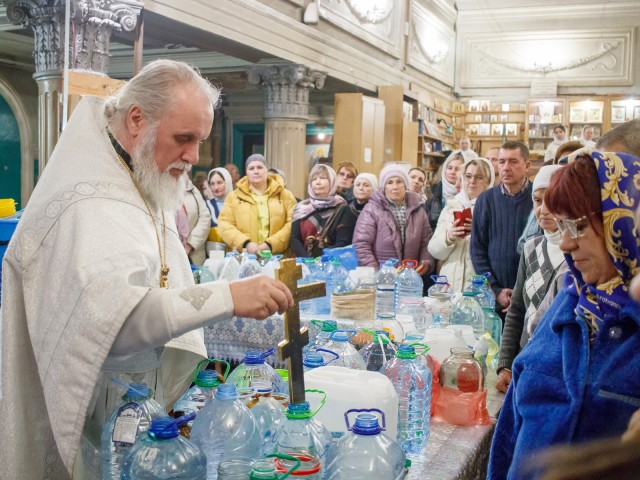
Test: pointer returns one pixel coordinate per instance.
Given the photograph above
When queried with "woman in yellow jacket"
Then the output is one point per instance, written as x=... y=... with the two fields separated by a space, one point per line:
x=257 y=214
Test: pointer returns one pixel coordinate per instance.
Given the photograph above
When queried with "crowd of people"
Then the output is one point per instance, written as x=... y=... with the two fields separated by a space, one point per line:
x=114 y=222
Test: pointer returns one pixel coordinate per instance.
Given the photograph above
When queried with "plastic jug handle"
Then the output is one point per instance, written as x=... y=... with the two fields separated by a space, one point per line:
x=208 y=361
x=409 y=263
x=423 y=347
x=322 y=402
x=318 y=323
x=285 y=457
x=331 y=352
x=358 y=410
x=352 y=332
x=268 y=353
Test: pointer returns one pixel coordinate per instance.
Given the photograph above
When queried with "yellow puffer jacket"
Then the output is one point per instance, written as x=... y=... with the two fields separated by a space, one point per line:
x=238 y=220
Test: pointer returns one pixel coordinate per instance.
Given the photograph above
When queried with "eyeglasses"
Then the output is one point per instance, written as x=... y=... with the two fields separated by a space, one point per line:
x=478 y=178
x=575 y=228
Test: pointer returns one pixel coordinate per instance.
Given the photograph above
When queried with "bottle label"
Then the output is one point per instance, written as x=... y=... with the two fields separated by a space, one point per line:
x=125 y=428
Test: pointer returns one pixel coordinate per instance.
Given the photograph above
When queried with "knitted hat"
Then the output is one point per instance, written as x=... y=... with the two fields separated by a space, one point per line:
x=256 y=157
x=393 y=170
x=543 y=178
x=369 y=177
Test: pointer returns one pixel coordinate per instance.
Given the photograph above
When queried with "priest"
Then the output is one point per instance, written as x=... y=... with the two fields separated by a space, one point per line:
x=97 y=287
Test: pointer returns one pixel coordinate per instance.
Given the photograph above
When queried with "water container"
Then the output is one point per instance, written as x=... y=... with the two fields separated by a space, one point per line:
x=320 y=357
x=366 y=452
x=163 y=454
x=201 y=274
x=349 y=356
x=255 y=368
x=231 y=267
x=440 y=285
x=412 y=312
x=462 y=371
x=268 y=412
x=269 y=263
x=302 y=434
x=377 y=352
x=309 y=275
x=492 y=324
x=249 y=266
x=346 y=389
x=480 y=284
x=408 y=284
x=412 y=381
x=385 y=284
x=467 y=311
x=326 y=327
x=267 y=468
x=335 y=276
x=225 y=428
x=130 y=420
x=323 y=304
x=205 y=383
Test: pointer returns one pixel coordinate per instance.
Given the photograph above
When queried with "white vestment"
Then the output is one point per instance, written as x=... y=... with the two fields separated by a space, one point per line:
x=82 y=264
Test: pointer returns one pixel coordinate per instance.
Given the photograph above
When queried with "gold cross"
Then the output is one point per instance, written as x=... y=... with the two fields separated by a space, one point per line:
x=290 y=348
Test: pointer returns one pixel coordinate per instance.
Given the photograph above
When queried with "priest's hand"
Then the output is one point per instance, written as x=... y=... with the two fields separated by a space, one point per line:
x=259 y=297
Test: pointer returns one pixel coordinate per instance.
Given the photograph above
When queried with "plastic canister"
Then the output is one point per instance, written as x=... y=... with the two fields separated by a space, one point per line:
x=348 y=388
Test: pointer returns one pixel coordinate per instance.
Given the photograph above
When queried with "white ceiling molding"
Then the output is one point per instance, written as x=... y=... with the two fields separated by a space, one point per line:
x=431 y=45
x=377 y=22
x=445 y=10
x=596 y=57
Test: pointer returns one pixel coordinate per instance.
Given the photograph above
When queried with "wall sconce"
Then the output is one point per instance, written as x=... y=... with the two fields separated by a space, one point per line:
x=449 y=128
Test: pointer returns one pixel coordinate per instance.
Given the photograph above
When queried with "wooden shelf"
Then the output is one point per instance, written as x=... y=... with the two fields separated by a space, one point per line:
x=429 y=137
x=432 y=154
x=494 y=111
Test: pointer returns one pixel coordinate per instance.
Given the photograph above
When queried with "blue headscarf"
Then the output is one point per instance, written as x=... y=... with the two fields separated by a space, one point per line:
x=619 y=176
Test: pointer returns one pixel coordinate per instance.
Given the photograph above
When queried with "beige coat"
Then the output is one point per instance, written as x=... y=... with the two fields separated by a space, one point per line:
x=199 y=219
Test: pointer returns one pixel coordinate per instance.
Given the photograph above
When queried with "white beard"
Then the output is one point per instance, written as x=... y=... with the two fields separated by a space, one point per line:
x=161 y=189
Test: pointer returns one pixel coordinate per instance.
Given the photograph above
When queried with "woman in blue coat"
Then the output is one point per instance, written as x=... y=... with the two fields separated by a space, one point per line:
x=578 y=378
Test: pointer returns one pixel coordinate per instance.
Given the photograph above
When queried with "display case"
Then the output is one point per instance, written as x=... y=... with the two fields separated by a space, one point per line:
x=541 y=116
x=623 y=110
x=585 y=112
x=490 y=124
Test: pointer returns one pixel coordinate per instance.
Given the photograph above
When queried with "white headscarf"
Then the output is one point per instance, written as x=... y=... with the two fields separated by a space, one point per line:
x=228 y=183
x=462 y=195
x=449 y=190
x=369 y=177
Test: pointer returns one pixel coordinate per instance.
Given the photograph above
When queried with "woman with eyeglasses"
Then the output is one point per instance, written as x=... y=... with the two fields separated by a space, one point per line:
x=540 y=273
x=578 y=378
x=450 y=243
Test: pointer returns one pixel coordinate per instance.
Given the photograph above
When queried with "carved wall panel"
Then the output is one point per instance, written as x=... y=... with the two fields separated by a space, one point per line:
x=602 y=57
x=431 y=45
x=378 y=22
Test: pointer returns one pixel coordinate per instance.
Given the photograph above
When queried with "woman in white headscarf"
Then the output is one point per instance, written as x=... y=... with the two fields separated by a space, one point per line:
x=451 y=240
x=323 y=215
x=444 y=190
x=220 y=183
x=363 y=187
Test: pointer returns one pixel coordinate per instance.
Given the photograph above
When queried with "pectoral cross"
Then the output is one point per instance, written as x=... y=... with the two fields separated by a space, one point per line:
x=290 y=348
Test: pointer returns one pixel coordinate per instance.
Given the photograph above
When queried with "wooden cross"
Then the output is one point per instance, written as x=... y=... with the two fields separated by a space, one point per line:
x=290 y=348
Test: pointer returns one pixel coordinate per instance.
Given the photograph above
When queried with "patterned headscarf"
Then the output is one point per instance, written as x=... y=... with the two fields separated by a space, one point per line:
x=307 y=207
x=619 y=176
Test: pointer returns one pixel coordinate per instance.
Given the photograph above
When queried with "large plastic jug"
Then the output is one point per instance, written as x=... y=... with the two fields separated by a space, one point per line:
x=408 y=284
x=348 y=355
x=254 y=367
x=347 y=389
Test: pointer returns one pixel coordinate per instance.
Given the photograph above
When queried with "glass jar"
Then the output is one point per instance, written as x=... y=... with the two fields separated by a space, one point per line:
x=462 y=371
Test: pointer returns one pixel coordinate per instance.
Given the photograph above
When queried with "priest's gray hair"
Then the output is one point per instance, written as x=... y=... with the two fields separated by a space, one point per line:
x=153 y=90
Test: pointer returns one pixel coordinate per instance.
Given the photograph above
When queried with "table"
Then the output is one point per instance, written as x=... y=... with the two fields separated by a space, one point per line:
x=452 y=452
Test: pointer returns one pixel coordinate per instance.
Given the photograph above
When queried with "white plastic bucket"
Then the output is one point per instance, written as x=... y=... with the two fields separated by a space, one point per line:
x=347 y=389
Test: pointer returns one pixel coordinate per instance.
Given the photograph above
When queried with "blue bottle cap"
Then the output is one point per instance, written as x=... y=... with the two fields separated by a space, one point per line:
x=366 y=424
x=226 y=391
x=253 y=357
x=164 y=428
x=313 y=360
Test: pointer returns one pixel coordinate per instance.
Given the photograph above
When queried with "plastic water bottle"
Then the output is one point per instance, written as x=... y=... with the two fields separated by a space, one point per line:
x=131 y=419
x=408 y=284
x=304 y=437
x=385 y=285
x=201 y=274
x=326 y=327
x=348 y=355
x=467 y=311
x=440 y=285
x=318 y=358
x=320 y=274
x=365 y=452
x=163 y=454
x=479 y=284
x=412 y=380
x=335 y=275
x=225 y=429
x=255 y=368
x=269 y=263
x=231 y=267
x=205 y=383
x=378 y=352
x=492 y=324
x=249 y=266
x=306 y=306
x=268 y=412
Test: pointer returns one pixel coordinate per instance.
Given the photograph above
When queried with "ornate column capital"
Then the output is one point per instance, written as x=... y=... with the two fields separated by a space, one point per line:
x=287 y=88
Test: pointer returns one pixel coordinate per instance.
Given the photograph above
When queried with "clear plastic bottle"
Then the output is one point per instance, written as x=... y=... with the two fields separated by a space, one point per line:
x=378 y=352
x=412 y=380
x=269 y=263
x=413 y=311
x=163 y=454
x=255 y=368
x=205 y=383
x=231 y=267
x=408 y=284
x=319 y=357
x=479 y=284
x=309 y=275
x=321 y=274
x=335 y=276
x=249 y=266
x=268 y=412
x=440 y=285
x=467 y=311
x=326 y=327
x=492 y=324
x=130 y=420
x=385 y=285
x=225 y=429
x=365 y=452
x=201 y=274
x=348 y=355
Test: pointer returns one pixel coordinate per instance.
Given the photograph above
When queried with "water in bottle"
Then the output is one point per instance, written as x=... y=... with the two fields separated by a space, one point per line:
x=309 y=275
x=412 y=380
x=205 y=383
x=269 y=263
x=348 y=355
x=366 y=452
x=249 y=266
x=201 y=274
x=131 y=419
x=326 y=327
x=467 y=311
x=323 y=304
x=335 y=275
x=385 y=284
x=255 y=368
x=319 y=357
x=440 y=285
x=378 y=352
x=408 y=284
x=231 y=267
x=226 y=429
x=480 y=284
x=268 y=412
x=163 y=454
